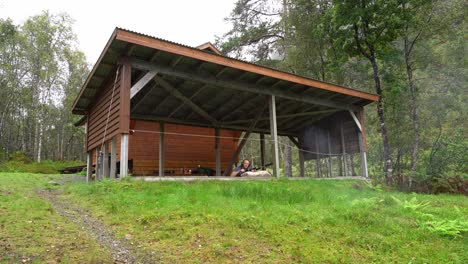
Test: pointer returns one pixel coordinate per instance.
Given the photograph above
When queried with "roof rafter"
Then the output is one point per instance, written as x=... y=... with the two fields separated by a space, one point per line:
x=241 y=86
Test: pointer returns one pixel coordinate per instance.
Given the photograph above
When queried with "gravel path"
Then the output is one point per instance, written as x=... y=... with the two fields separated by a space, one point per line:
x=121 y=250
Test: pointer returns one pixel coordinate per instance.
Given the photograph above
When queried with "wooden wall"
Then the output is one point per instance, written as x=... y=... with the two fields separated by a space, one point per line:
x=119 y=115
x=98 y=115
x=180 y=151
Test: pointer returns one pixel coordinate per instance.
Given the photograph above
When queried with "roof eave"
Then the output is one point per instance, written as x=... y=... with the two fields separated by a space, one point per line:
x=90 y=75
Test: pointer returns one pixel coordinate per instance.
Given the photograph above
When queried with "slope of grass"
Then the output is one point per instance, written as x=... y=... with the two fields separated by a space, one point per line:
x=31 y=231
x=281 y=221
x=28 y=166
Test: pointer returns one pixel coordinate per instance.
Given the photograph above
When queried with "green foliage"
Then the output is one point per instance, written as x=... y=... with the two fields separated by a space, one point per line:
x=31 y=229
x=277 y=221
x=41 y=72
x=453 y=228
x=417 y=38
x=20 y=162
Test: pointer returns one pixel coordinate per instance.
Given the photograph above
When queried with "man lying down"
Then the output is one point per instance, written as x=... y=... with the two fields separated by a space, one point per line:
x=245 y=170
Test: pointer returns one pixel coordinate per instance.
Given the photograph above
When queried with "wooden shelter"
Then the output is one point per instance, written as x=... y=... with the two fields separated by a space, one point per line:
x=161 y=107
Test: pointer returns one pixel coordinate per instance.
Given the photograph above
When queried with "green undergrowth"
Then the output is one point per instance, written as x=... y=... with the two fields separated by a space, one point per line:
x=32 y=232
x=20 y=162
x=280 y=221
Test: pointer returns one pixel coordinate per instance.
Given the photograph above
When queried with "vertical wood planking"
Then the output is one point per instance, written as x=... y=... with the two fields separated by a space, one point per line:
x=218 y=152
x=317 y=161
x=343 y=148
x=161 y=149
x=330 y=163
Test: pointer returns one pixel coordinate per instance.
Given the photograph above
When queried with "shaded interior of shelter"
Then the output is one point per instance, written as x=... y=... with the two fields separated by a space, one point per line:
x=323 y=130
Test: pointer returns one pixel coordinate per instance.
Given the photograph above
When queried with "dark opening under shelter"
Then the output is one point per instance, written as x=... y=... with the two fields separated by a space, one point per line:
x=154 y=107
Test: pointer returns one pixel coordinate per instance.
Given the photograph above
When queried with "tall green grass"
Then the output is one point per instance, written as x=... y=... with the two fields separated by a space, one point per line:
x=280 y=221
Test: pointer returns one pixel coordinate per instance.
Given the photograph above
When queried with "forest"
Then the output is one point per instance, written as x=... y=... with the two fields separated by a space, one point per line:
x=410 y=52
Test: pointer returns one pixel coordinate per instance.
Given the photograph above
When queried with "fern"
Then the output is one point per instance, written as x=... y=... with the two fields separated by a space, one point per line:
x=454 y=228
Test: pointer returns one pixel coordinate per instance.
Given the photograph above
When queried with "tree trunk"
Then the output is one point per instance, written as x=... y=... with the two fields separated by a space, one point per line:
x=39 y=143
x=414 y=111
x=383 y=129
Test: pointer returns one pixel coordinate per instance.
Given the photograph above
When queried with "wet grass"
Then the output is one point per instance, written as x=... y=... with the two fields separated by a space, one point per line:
x=281 y=221
x=32 y=232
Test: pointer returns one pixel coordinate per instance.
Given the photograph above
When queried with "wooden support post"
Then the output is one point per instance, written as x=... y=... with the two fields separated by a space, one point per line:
x=105 y=161
x=362 y=145
x=317 y=161
x=98 y=165
x=161 y=149
x=274 y=135
x=217 y=152
x=243 y=141
x=330 y=165
x=299 y=144
x=262 y=151
x=301 y=159
x=236 y=153
x=113 y=161
x=89 y=165
x=343 y=148
x=363 y=157
x=124 y=156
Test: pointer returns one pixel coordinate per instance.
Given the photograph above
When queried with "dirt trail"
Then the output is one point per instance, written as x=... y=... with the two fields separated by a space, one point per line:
x=121 y=250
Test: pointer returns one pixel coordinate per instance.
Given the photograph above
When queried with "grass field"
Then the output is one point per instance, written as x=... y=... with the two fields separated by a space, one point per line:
x=250 y=222
x=31 y=231
x=281 y=221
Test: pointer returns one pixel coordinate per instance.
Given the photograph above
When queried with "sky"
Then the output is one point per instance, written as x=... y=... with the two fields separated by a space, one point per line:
x=189 y=22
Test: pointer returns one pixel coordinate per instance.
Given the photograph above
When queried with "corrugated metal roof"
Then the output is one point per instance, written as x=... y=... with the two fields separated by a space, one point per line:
x=221 y=106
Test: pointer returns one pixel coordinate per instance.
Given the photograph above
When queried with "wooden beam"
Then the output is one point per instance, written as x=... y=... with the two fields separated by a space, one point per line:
x=200 y=124
x=135 y=106
x=161 y=104
x=241 y=145
x=301 y=158
x=294 y=141
x=191 y=97
x=98 y=165
x=113 y=165
x=243 y=141
x=236 y=109
x=274 y=135
x=363 y=157
x=174 y=92
x=317 y=161
x=299 y=123
x=298 y=144
x=330 y=164
x=105 y=161
x=358 y=124
x=343 y=148
x=178 y=49
x=124 y=156
x=282 y=116
x=262 y=151
x=203 y=77
x=161 y=149
x=142 y=83
x=217 y=152
x=125 y=86
x=89 y=165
